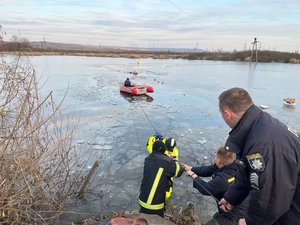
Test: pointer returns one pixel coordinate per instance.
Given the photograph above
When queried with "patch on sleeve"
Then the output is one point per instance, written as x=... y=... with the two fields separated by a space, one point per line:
x=256 y=162
x=254 y=178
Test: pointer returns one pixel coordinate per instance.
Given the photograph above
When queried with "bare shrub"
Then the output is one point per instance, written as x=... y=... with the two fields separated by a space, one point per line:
x=294 y=61
x=38 y=167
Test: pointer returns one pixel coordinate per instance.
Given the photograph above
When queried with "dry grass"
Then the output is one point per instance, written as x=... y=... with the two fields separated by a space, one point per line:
x=185 y=216
x=39 y=171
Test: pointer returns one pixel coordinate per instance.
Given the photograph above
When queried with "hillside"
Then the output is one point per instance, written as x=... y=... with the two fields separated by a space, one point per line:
x=78 y=47
x=50 y=48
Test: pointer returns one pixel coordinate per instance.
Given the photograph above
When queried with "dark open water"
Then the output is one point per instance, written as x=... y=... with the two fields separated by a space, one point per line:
x=184 y=105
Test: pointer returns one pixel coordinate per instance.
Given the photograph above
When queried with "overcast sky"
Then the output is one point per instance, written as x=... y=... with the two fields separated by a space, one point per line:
x=203 y=24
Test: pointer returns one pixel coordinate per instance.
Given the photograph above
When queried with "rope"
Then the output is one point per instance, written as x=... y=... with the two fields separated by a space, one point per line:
x=134 y=123
x=205 y=189
x=210 y=194
x=136 y=134
x=147 y=117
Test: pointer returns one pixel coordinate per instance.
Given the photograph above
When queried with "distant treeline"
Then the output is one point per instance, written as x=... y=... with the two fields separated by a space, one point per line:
x=15 y=46
x=24 y=47
x=262 y=56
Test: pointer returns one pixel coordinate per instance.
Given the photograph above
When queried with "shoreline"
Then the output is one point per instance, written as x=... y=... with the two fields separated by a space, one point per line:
x=113 y=54
x=244 y=56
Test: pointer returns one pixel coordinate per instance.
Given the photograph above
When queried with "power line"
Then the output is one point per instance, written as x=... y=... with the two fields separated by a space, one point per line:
x=184 y=12
x=218 y=18
x=178 y=7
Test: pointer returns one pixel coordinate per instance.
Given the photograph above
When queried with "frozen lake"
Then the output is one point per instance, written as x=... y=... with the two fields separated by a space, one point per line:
x=184 y=105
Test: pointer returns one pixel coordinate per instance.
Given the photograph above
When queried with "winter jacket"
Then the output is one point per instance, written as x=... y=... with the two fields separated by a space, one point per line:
x=270 y=152
x=222 y=178
x=158 y=171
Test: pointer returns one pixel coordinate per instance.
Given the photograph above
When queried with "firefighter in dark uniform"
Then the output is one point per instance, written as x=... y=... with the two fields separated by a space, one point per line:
x=223 y=173
x=269 y=153
x=171 y=150
x=158 y=171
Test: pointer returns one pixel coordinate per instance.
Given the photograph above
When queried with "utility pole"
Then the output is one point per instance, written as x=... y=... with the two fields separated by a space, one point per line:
x=254 y=46
x=2 y=32
x=44 y=42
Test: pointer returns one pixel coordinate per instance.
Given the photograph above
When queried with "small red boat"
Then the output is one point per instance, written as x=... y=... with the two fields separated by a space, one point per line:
x=136 y=89
x=134 y=73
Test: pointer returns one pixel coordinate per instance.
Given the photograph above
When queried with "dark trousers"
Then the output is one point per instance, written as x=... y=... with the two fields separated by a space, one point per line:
x=149 y=211
x=219 y=219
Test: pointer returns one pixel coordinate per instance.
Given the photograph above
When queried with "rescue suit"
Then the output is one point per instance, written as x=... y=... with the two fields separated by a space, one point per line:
x=270 y=152
x=174 y=153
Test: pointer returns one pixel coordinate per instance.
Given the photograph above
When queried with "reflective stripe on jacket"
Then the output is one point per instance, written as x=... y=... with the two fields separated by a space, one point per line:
x=158 y=170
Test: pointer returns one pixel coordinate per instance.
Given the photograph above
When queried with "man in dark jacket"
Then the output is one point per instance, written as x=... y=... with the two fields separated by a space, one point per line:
x=223 y=173
x=269 y=153
x=158 y=171
x=127 y=82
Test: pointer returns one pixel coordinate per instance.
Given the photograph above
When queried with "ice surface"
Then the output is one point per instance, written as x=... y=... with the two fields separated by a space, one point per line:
x=184 y=105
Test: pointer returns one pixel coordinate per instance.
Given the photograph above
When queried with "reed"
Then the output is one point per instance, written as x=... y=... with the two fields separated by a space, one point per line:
x=39 y=168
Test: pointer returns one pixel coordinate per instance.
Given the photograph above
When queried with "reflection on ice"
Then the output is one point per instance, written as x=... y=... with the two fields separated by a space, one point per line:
x=136 y=98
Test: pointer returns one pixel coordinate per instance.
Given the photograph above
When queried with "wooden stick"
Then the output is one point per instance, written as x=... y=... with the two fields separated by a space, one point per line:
x=89 y=176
